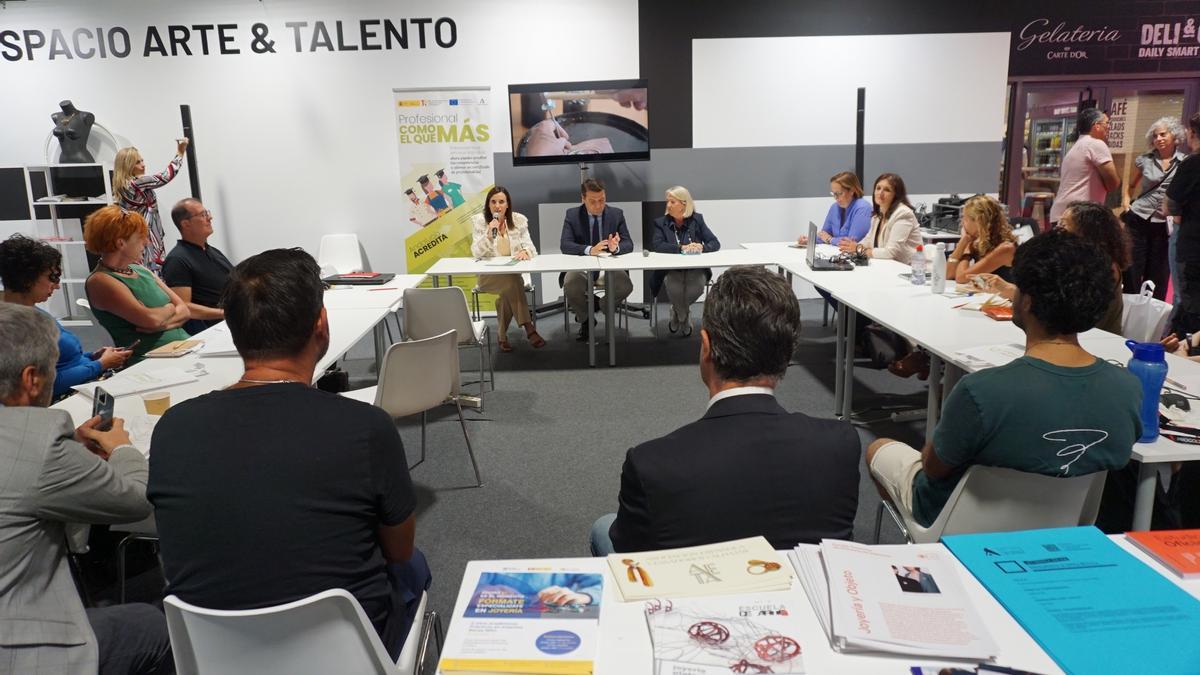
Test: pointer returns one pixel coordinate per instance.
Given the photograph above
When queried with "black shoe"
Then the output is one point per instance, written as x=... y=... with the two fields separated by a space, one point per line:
x=583 y=331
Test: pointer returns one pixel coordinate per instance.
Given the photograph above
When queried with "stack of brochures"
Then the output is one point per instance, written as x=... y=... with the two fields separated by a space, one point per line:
x=1090 y=604
x=739 y=566
x=754 y=633
x=896 y=599
x=528 y=620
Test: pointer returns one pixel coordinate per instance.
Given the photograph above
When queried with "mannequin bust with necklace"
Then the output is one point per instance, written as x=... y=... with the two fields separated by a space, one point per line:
x=72 y=128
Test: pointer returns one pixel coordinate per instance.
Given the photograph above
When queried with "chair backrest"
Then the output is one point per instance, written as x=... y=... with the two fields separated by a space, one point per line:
x=418 y=375
x=992 y=499
x=433 y=311
x=342 y=253
x=323 y=633
x=407 y=663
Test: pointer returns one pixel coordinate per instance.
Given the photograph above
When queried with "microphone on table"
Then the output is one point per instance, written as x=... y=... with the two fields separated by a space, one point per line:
x=495 y=230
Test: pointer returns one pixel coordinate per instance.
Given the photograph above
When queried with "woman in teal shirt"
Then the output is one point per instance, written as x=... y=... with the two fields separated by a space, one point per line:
x=132 y=304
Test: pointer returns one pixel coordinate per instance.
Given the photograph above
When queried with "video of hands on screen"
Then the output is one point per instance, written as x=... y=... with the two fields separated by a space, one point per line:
x=580 y=124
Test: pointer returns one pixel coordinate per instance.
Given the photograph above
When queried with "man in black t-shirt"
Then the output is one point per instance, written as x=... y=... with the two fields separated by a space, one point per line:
x=1183 y=204
x=194 y=269
x=271 y=490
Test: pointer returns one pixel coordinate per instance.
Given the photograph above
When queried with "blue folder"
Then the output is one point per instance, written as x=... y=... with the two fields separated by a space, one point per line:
x=1091 y=605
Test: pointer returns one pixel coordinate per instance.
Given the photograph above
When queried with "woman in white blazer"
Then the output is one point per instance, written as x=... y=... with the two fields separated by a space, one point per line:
x=895 y=233
x=500 y=232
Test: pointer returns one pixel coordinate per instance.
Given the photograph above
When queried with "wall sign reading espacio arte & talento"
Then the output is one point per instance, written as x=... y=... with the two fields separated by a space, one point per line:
x=205 y=39
x=1131 y=44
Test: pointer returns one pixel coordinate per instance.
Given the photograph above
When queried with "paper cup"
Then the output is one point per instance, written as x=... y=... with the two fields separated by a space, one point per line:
x=156 y=402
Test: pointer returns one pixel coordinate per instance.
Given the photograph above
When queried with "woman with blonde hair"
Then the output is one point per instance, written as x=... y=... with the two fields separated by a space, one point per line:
x=987 y=244
x=681 y=230
x=133 y=190
x=134 y=306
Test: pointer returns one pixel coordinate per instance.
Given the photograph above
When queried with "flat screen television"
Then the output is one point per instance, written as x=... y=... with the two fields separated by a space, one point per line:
x=579 y=122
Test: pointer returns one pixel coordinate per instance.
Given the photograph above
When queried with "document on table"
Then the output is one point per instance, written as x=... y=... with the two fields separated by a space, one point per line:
x=500 y=262
x=895 y=599
x=739 y=566
x=1091 y=605
x=218 y=341
x=528 y=620
x=127 y=383
x=990 y=356
x=716 y=635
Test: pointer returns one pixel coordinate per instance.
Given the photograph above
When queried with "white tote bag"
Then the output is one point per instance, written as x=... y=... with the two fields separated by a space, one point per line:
x=1142 y=317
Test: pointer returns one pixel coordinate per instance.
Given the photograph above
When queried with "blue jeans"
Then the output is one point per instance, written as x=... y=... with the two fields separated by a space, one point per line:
x=601 y=543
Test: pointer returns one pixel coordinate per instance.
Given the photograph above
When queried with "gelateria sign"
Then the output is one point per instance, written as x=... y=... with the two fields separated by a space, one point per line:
x=69 y=43
x=1048 y=46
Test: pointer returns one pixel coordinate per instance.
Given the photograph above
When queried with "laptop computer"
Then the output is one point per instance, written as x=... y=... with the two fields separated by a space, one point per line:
x=822 y=264
x=360 y=278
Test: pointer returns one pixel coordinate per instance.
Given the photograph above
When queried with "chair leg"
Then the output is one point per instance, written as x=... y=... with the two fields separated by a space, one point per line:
x=491 y=363
x=825 y=314
x=423 y=414
x=467 y=438
x=475 y=313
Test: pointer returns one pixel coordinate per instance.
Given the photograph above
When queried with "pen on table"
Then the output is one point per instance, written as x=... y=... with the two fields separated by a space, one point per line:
x=1177 y=385
x=385 y=289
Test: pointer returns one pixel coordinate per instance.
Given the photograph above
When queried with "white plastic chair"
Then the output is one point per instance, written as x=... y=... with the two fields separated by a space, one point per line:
x=341 y=253
x=433 y=311
x=323 y=633
x=992 y=499
x=417 y=376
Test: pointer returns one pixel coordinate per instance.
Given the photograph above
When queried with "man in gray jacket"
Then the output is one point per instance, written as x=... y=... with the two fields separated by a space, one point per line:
x=51 y=475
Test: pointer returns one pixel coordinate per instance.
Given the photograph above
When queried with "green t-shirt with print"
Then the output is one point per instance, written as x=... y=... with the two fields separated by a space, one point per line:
x=1033 y=416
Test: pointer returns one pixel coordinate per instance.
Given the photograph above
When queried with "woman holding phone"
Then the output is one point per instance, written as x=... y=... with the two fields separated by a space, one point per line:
x=30 y=271
x=500 y=232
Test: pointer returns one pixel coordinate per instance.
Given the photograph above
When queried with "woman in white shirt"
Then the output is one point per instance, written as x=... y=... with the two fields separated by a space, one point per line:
x=895 y=233
x=500 y=232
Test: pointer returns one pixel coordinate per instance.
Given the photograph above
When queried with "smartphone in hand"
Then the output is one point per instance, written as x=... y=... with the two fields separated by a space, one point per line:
x=102 y=405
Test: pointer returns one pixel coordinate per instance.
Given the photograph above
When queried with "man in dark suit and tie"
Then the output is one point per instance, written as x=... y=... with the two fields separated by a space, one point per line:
x=593 y=229
x=747 y=467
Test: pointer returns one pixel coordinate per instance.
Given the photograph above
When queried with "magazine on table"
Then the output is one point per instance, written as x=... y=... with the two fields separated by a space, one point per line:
x=738 y=566
x=745 y=633
x=527 y=620
x=898 y=599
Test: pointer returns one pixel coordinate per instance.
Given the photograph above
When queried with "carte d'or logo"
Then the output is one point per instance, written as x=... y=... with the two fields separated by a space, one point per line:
x=1066 y=43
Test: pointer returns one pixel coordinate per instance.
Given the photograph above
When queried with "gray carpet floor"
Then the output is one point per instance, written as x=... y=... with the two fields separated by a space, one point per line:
x=553 y=434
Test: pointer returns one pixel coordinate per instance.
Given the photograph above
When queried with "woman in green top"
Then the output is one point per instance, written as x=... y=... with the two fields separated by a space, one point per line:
x=132 y=304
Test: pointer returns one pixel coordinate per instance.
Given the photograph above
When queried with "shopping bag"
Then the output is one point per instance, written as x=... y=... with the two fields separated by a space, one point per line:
x=1142 y=317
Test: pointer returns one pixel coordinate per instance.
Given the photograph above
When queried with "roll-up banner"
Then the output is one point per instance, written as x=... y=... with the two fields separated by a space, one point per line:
x=445 y=173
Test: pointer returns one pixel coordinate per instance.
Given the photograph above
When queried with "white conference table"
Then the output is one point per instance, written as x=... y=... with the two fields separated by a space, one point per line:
x=930 y=320
x=547 y=263
x=624 y=641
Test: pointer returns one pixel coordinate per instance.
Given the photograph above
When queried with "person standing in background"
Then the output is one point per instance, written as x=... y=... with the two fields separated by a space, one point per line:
x=1088 y=172
x=1145 y=215
x=133 y=190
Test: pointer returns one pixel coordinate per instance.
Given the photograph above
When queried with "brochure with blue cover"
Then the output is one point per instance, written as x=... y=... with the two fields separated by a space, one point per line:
x=1091 y=605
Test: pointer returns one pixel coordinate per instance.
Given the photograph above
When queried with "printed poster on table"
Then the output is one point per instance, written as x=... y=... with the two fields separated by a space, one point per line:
x=445 y=173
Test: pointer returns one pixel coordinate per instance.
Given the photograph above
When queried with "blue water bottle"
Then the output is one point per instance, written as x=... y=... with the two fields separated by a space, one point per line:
x=1149 y=364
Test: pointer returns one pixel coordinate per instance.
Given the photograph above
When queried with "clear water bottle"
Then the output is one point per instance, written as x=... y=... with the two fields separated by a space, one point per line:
x=939 y=268
x=918 y=266
x=1149 y=364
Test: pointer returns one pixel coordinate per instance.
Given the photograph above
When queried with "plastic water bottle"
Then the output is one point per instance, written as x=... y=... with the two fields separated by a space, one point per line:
x=918 y=266
x=939 y=268
x=1149 y=364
